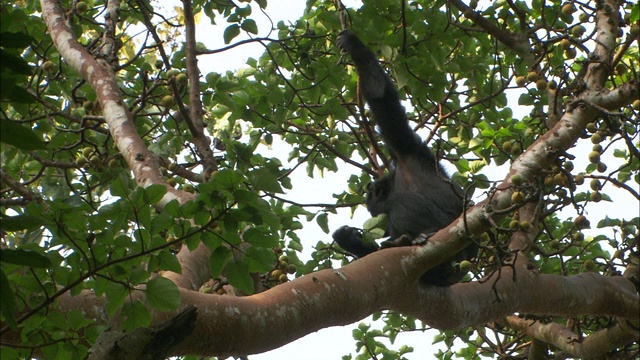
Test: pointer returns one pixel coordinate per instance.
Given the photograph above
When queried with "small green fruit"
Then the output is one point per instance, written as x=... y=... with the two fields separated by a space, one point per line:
x=578 y=237
x=578 y=31
x=595 y=185
x=87 y=151
x=601 y=167
x=159 y=64
x=581 y=222
x=568 y=9
x=95 y=160
x=168 y=101
x=172 y=73
x=561 y=193
x=516 y=150
x=516 y=180
x=465 y=266
x=276 y=273
x=541 y=84
x=570 y=53
x=594 y=157
x=532 y=76
x=514 y=225
x=568 y=165
x=181 y=79
x=517 y=197
x=596 y=196
x=291 y=269
x=583 y=17
x=589 y=264
x=521 y=81
x=565 y=44
x=188 y=188
x=81 y=161
x=579 y=179
x=559 y=179
x=88 y=105
x=82 y=6
x=549 y=181
x=48 y=66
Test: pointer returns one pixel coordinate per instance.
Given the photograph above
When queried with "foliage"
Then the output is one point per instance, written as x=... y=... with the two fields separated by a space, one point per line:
x=74 y=218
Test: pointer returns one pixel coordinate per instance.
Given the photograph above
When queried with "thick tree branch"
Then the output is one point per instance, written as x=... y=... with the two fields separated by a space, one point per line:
x=594 y=346
x=606 y=40
x=386 y=279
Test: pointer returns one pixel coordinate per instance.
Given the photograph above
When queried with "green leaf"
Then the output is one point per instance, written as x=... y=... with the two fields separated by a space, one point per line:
x=238 y=276
x=259 y=259
x=376 y=222
x=245 y=196
x=152 y=194
x=136 y=315
x=19 y=222
x=231 y=32
x=250 y=26
x=116 y=294
x=14 y=64
x=257 y=238
x=118 y=188
x=218 y=260
x=8 y=301
x=160 y=222
x=264 y=180
x=19 y=136
x=526 y=99
x=226 y=179
x=25 y=258
x=163 y=294
x=323 y=222
x=11 y=91
x=168 y=261
x=15 y=40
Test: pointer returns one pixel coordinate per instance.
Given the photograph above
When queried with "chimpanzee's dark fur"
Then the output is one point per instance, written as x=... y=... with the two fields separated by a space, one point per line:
x=415 y=197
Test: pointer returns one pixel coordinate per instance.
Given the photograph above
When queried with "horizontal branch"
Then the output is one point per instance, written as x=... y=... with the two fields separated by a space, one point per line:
x=386 y=279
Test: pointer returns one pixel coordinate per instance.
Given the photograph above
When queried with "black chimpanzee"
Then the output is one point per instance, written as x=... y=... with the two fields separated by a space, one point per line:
x=417 y=199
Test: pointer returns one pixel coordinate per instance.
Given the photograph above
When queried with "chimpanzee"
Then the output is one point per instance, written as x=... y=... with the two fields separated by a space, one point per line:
x=416 y=195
